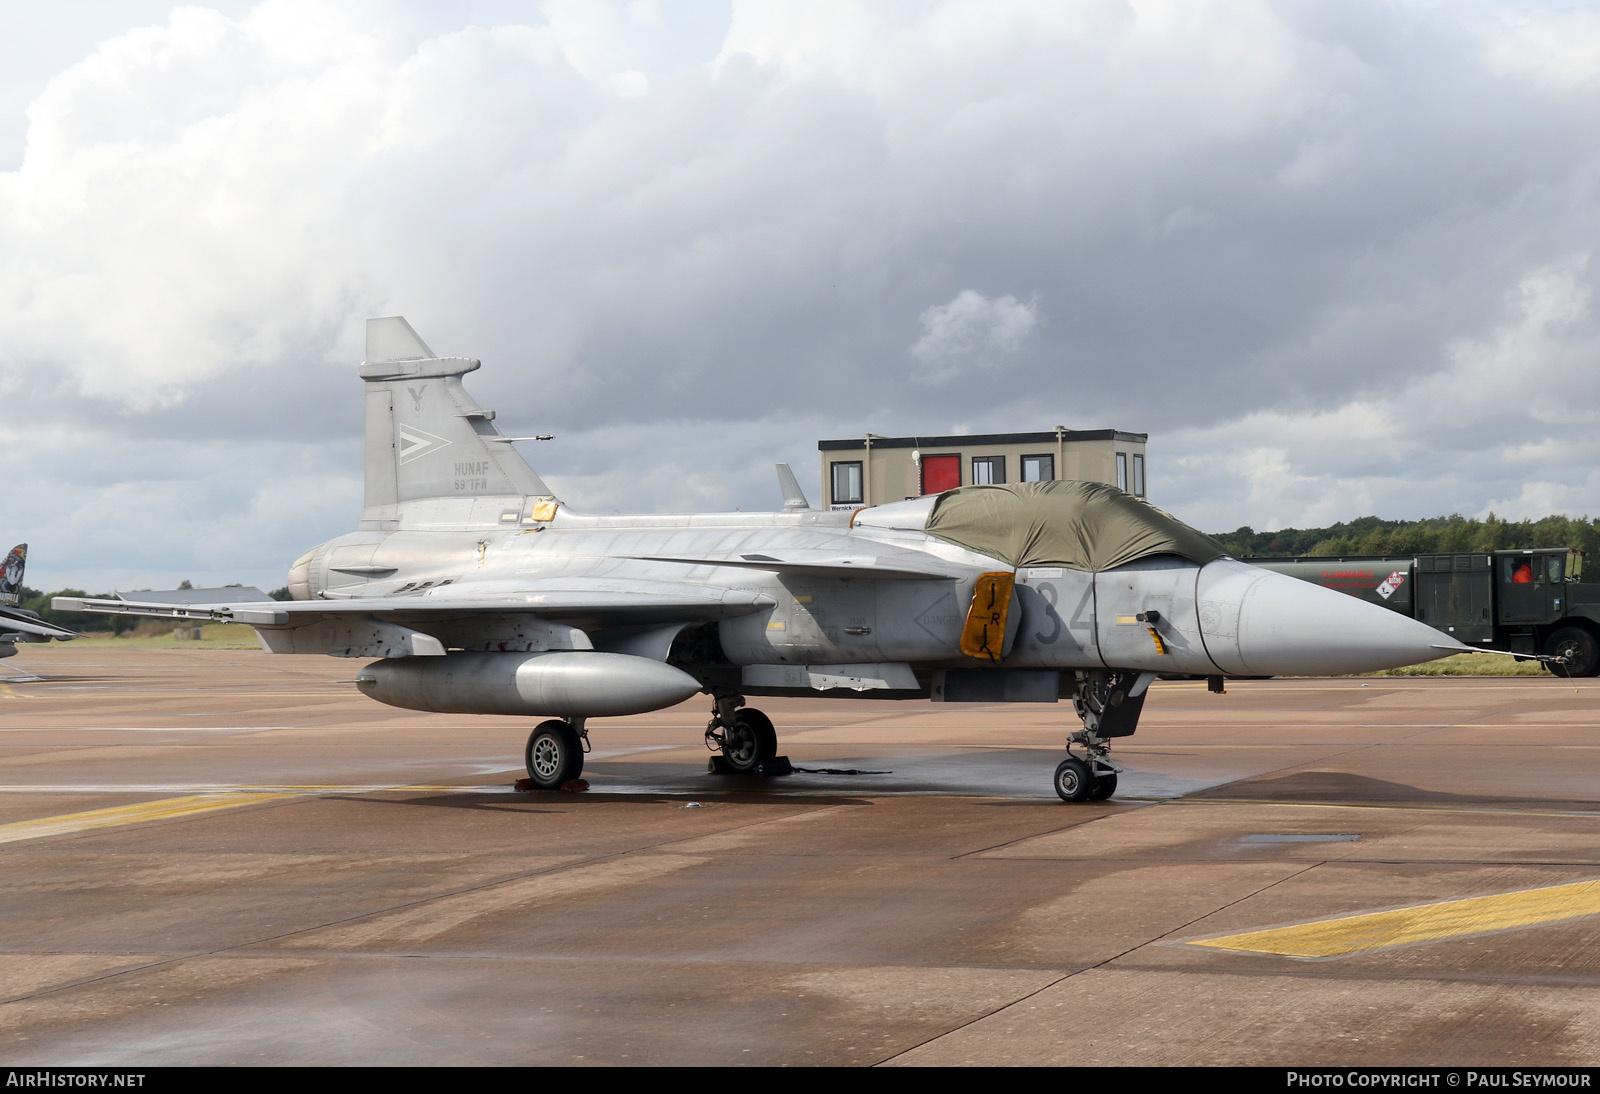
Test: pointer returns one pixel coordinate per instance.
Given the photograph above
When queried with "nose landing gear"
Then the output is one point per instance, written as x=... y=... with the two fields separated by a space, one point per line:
x=1109 y=704
x=1093 y=778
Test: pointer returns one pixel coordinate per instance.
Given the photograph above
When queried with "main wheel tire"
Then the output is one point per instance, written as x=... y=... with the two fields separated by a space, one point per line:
x=1578 y=646
x=554 y=755
x=1104 y=787
x=750 y=742
x=1073 y=781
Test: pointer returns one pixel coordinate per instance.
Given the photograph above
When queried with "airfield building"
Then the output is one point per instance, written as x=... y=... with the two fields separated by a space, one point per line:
x=873 y=470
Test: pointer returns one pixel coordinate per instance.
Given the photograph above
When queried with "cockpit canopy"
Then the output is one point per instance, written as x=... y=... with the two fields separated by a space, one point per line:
x=1079 y=525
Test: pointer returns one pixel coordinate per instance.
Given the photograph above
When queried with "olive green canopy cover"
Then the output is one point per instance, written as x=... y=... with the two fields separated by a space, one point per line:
x=1080 y=525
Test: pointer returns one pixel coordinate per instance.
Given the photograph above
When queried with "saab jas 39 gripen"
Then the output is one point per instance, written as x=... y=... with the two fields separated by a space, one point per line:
x=19 y=624
x=476 y=591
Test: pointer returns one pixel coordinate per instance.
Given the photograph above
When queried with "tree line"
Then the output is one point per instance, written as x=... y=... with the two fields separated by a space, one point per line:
x=34 y=601
x=1454 y=534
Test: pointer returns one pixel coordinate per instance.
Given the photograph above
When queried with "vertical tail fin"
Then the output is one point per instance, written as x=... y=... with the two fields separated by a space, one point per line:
x=11 y=576
x=793 y=496
x=427 y=440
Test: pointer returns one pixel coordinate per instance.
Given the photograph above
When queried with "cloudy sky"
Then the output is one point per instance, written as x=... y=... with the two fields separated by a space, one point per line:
x=1335 y=258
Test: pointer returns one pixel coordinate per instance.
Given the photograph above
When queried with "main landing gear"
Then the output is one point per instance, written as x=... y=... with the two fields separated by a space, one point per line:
x=555 y=753
x=745 y=738
x=1109 y=704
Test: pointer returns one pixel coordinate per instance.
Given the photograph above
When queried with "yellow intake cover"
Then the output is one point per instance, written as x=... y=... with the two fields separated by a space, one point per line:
x=985 y=632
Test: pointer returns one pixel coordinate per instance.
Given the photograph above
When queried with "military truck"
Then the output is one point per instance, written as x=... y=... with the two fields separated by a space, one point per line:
x=1530 y=602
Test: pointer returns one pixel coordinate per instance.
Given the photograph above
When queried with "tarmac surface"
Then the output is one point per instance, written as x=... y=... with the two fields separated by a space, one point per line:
x=221 y=857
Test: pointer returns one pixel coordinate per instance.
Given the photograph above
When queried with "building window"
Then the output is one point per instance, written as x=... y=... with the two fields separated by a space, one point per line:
x=1122 y=470
x=988 y=470
x=1138 y=475
x=1038 y=468
x=847 y=482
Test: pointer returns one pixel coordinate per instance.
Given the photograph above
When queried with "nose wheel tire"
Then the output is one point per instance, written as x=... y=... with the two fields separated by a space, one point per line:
x=554 y=755
x=1076 y=782
x=1073 y=781
x=749 y=742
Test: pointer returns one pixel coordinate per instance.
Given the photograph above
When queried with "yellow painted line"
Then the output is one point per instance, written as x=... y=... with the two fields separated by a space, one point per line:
x=164 y=809
x=1428 y=923
x=1407 y=683
x=213 y=790
x=1170 y=722
x=1411 y=807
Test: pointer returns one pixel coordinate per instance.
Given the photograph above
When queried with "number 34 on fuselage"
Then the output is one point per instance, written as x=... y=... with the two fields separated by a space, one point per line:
x=476 y=591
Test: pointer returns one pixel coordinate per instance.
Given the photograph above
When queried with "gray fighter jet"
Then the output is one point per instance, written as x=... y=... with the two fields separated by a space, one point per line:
x=478 y=592
x=19 y=624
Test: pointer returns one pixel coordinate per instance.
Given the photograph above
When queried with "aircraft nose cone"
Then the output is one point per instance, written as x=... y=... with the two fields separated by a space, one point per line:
x=1288 y=627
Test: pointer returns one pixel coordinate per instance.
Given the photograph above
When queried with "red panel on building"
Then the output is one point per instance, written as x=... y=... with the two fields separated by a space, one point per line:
x=940 y=473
